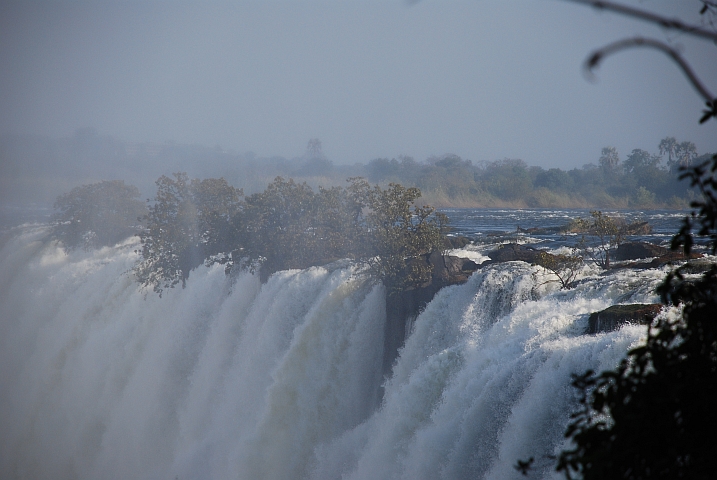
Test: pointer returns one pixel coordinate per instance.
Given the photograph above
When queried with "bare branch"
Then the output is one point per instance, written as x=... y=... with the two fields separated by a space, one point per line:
x=597 y=56
x=670 y=23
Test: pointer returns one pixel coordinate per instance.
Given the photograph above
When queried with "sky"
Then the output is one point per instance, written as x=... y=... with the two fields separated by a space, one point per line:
x=482 y=79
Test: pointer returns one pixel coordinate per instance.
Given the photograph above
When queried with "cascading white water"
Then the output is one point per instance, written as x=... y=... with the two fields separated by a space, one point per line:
x=229 y=378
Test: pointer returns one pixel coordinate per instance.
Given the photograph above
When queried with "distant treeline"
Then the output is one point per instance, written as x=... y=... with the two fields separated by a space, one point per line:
x=642 y=180
x=37 y=170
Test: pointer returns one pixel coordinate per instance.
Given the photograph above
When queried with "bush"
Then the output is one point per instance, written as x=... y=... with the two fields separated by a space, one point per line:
x=96 y=215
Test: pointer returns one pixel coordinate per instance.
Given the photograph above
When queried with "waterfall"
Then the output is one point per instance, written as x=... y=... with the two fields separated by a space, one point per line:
x=231 y=378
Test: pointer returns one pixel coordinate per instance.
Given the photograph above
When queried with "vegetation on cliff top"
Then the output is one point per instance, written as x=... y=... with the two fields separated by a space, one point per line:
x=289 y=225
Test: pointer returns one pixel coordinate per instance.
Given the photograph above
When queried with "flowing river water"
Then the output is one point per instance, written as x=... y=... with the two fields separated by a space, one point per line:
x=233 y=379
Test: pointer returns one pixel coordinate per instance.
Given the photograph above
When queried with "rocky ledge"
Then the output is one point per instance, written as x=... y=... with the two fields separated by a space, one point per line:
x=614 y=317
x=406 y=304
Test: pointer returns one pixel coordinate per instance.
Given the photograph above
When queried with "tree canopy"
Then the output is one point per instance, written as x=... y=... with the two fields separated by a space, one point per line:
x=189 y=222
x=97 y=214
x=288 y=225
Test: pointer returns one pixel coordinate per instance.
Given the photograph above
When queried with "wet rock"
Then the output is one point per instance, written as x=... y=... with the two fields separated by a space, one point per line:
x=638 y=250
x=637 y=228
x=457 y=241
x=450 y=269
x=404 y=306
x=672 y=258
x=614 y=317
x=513 y=252
x=699 y=265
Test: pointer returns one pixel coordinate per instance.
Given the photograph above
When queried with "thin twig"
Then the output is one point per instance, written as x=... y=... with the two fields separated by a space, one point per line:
x=597 y=56
x=671 y=23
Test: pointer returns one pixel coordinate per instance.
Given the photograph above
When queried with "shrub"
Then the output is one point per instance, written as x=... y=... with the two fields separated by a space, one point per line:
x=97 y=215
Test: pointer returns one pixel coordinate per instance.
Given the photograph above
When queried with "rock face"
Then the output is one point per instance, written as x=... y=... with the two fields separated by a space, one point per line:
x=638 y=250
x=616 y=316
x=405 y=305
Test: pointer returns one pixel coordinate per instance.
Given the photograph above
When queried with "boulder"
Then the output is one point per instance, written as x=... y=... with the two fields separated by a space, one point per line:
x=614 y=317
x=673 y=257
x=450 y=269
x=513 y=252
x=699 y=265
x=637 y=228
x=638 y=250
x=458 y=241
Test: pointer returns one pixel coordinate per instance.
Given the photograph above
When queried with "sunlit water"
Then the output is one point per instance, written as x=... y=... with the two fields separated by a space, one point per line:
x=230 y=378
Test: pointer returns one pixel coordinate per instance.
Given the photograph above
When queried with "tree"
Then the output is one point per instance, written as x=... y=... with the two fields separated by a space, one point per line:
x=507 y=179
x=400 y=235
x=640 y=160
x=280 y=226
x=97 y=215
x=608 y=235
x=190 y=222
x=685 y=152
x=609 y=159
x=668 y=145
x=565 y=267
x=314 y=149
x=315 y=162
x=646 y=174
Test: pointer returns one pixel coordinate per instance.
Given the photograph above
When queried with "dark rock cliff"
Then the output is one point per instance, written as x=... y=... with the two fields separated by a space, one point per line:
x=616 y=316
x=404 y=306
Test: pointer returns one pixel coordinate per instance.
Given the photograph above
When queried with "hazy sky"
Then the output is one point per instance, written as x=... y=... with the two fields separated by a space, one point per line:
x=483 y=79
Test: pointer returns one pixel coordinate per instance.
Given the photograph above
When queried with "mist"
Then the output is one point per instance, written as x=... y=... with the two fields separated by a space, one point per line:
x=483 y=80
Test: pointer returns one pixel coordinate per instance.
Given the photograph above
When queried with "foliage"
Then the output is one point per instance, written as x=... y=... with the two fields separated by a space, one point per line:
x=654 y=416
x=288 y=225
x=608 y=235
x=609 y=159
x=291 y=226
x=565 y=267
x=398 y=234
x=96 y=215
x=190 y=221
x=449 y=180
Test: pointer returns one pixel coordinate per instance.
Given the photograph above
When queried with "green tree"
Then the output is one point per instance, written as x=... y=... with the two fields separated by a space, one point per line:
x=645 y=172
x=190 y=222
x=685 y=153
x=400 y=235
x=609 y=159
x=654 y=416
x=279 y=226
x=668 y=145
x=97 y=215
x=554 y=179
x=507 y=179
x=640 y=160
